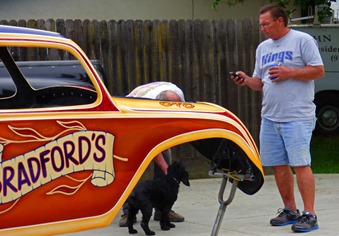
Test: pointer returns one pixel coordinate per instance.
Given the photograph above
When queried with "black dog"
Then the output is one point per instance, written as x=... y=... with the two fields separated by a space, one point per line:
x=160 y=194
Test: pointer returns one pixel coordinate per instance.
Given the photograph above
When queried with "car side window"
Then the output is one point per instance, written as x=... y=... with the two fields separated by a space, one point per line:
x=43 y=74
x=38 y=83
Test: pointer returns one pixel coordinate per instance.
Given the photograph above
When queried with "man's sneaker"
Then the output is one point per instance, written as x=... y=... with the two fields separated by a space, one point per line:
x=307 y=222
x=286 y=216
x=123 y=220
x=173 y=217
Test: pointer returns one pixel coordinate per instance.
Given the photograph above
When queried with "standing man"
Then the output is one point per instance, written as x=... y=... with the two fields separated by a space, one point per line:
x=165 y=91
x=287 y=63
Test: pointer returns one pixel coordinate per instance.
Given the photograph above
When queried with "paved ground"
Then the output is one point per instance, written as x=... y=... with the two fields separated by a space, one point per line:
x=246 y=215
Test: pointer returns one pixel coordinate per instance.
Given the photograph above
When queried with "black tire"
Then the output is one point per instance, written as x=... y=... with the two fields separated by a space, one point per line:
x=327 y=115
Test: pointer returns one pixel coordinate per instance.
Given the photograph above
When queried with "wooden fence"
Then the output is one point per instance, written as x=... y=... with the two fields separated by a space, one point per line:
x=197 y=55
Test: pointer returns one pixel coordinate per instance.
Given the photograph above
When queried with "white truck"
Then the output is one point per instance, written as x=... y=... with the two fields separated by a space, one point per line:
x=326 y=89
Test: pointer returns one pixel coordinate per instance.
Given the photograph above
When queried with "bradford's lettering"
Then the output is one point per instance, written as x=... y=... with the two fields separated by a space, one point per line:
x=75 y=152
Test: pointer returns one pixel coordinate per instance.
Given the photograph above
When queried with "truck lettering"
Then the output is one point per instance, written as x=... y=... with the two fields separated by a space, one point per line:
x=329 y=49
x=323 y=38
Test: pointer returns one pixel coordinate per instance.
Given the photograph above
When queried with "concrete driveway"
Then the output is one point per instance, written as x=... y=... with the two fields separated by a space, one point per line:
x=246 y=215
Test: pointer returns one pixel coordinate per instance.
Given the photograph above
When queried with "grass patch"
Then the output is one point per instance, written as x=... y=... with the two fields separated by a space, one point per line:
x=325 y=154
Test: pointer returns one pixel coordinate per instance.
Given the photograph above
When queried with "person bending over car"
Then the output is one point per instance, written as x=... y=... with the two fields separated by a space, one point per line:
x=165 y=91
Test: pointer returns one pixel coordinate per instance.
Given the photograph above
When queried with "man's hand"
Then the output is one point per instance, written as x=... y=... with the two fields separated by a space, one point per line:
x=236 y=77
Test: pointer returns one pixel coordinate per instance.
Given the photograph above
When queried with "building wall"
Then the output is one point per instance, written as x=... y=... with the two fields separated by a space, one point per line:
x=124 y=9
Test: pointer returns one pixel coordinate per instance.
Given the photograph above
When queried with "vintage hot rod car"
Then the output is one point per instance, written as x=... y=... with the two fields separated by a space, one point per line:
x=70 y=153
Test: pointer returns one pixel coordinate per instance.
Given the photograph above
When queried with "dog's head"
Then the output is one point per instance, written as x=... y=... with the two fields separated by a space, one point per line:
x=178 y=172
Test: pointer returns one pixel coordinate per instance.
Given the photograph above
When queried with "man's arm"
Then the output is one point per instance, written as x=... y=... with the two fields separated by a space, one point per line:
x=308 y=73
x=305 y=73
x=254 y=83
x=160 y=161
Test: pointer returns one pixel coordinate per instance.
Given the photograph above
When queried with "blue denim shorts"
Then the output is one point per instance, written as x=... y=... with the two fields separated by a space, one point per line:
x=286 y=143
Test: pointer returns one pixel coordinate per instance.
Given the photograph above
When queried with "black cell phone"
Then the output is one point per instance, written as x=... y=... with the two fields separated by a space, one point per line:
x=237 y=77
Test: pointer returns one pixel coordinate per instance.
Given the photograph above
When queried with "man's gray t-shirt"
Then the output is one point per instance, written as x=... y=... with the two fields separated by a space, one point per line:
x=291 y=99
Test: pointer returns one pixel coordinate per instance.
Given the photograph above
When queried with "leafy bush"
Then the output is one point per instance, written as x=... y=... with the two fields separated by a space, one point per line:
x=323 y=11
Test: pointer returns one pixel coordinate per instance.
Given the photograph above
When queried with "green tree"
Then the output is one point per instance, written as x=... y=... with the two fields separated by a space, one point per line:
x=290 y=5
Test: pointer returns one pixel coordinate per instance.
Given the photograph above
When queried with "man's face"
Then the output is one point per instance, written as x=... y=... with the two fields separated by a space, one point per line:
x=269 y=26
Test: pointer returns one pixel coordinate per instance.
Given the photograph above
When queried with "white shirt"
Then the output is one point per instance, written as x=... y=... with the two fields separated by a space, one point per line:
x=291 y=99
x=152 y=90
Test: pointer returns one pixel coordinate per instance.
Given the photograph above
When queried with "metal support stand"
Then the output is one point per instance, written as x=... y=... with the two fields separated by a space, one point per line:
x=223 y=203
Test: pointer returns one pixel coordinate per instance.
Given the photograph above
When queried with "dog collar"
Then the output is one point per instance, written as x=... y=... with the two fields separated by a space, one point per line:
x=176 y=180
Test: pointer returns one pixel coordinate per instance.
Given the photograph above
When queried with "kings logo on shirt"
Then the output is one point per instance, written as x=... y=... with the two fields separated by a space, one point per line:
x=273 y=57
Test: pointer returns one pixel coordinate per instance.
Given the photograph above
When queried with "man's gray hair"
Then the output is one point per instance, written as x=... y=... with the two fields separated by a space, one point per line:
x=164 y=95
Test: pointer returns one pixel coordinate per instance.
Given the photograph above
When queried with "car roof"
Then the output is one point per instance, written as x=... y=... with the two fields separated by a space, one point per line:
x=22 y=30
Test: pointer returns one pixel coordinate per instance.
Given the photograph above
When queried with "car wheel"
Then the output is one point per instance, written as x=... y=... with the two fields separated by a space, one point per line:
x=327 y=117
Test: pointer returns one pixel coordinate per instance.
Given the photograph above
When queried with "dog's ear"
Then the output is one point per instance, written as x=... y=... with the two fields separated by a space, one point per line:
x=181 y=172
x=185 y=180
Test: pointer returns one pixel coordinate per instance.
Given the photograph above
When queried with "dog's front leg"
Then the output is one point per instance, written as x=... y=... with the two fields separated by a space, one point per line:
x=165 y=224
